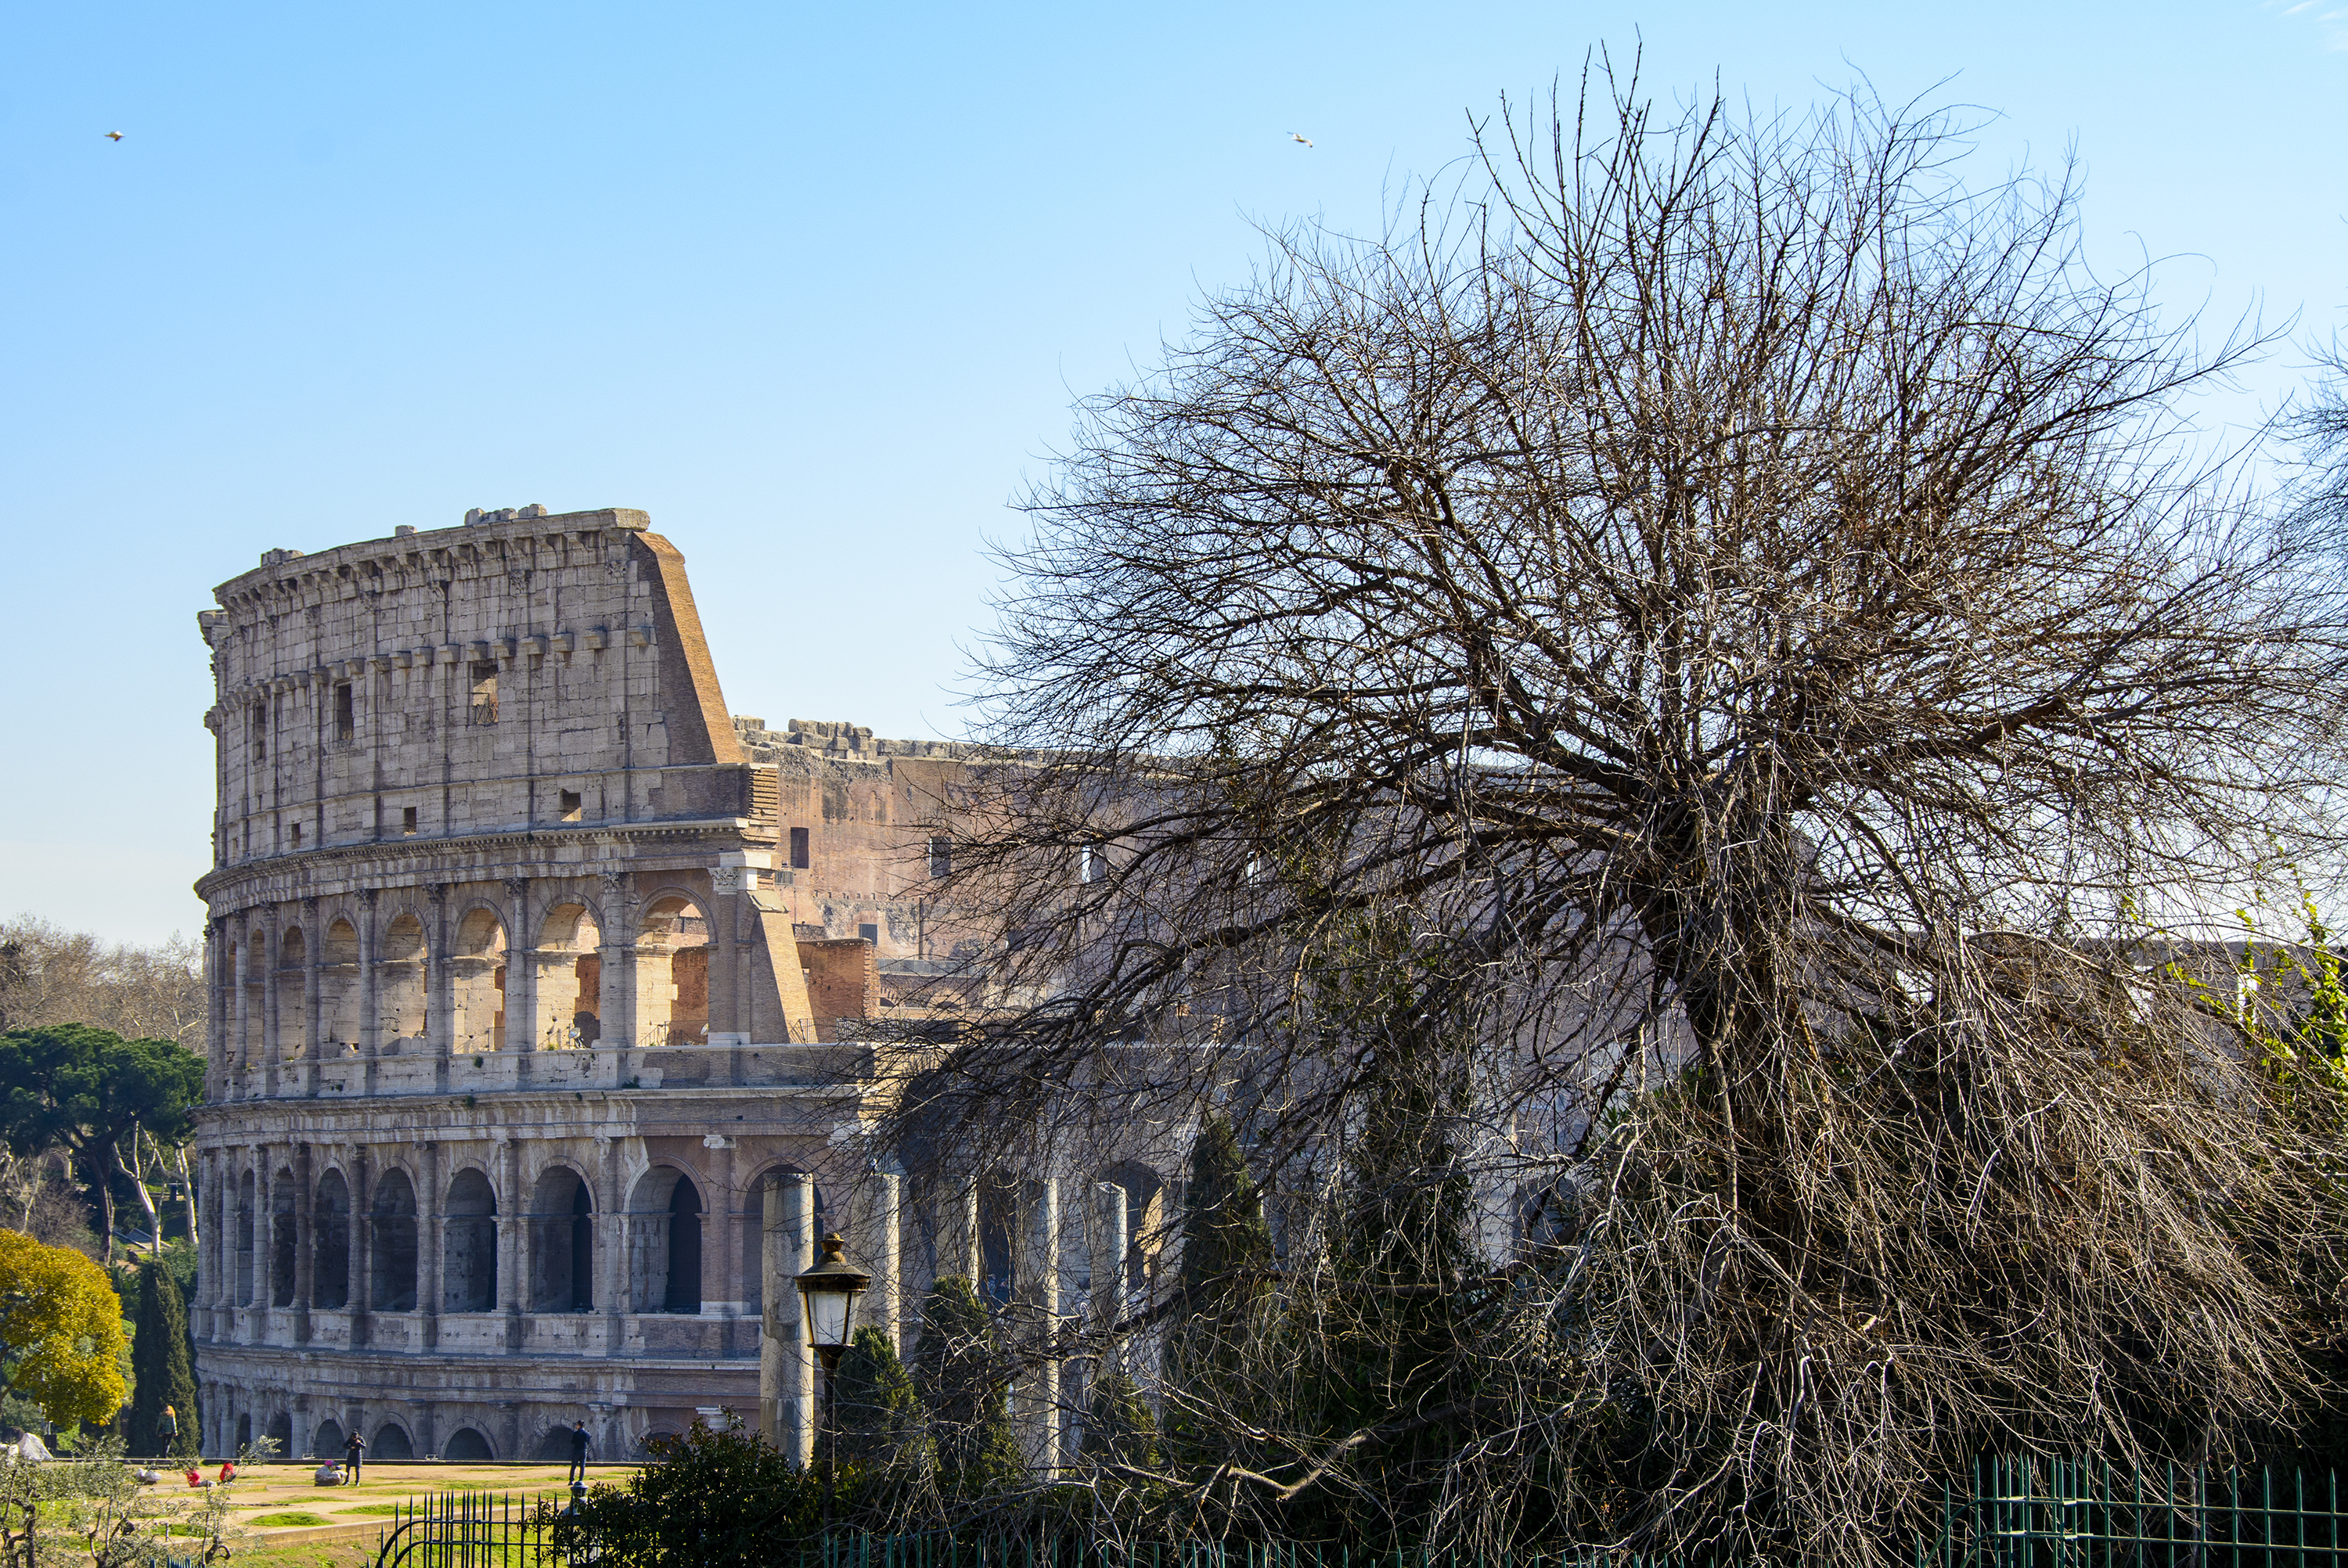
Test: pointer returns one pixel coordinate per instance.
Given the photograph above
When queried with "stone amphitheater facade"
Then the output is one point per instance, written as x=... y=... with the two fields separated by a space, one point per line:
x=530 y=969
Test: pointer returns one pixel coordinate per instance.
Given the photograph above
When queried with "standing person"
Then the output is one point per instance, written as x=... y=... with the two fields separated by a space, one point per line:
x=353 y=1451
x=579 y=1452
x=167 y=1430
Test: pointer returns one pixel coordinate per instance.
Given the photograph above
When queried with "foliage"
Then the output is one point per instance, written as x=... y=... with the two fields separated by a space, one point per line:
x=52 y=976
x=95 y=1511
x=715 y=1497
x=85 y=1090
x=1625 y=703
x=163 y=1371
x=876 y=1414
x=1119 y=1430
x=965 y=1391
x=60 y=1331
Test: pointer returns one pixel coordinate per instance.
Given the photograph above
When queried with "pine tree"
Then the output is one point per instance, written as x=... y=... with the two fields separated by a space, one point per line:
x=159 y=1358
x=966 y=1392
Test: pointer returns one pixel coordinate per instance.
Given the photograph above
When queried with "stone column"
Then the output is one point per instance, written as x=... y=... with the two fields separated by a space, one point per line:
x=522 y=968
x=440 y=989
x=1109 y=1245
x=510 y=1438
x=610 y=1243
x=264 y=1250
x=1036 y=1288
x=205 y=1174
x=786 y=1369
x=298 y=1412
x=313 y=941
x=305 y=1249
x=957 y=1219
x=879 y=1238
x=427 y=1440
x=513 y=1245
x=220 y=974
x=428 y=1254
x=616 y=994
x=721 y=1227
x=370 y=992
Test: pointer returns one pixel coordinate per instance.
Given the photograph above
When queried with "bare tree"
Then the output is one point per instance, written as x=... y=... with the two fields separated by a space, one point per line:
x=1659 y=687
x=50 y=975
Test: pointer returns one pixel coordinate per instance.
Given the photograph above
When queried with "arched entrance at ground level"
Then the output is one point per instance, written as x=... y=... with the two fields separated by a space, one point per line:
x=469 y=1245
x=465 y=1443
x=391 y=1443
x=330 y=1266
x=280 y=1432
x=328 y=1440
x=555 y=1446
x=243 y=1433
x=394 y=1215
x=562 y=1244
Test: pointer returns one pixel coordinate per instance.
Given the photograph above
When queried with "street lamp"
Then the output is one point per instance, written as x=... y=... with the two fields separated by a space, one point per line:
x=830 y=1289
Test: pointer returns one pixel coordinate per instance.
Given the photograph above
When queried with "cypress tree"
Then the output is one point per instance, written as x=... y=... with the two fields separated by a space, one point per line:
x=876 y=1414
x=160 y=1362
x=1221 y=1288
x=967 y=1397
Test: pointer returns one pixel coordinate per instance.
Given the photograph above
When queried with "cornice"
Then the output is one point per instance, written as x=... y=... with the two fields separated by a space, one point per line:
x=402 y=861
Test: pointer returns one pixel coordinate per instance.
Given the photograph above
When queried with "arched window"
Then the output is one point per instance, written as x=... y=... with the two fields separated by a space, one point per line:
x=393 y=1218
x=673 y=974
x=399 y=986
x=469 y=1245
x=477 y=979
x=330 y=1264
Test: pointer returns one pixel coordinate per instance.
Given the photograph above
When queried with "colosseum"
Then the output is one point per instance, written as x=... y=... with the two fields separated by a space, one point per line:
x=534 y=977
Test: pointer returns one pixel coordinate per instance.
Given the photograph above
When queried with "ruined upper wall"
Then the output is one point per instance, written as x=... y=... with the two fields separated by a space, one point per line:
x=526 y=669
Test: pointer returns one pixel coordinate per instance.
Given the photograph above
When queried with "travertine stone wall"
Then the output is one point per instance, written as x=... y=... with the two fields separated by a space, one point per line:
x=530 y=970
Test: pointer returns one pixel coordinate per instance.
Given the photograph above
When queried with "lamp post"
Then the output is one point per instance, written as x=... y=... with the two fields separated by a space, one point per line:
x=830 y=1290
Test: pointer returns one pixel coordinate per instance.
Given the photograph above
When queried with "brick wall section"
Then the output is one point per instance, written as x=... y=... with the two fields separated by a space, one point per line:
x=841 y=978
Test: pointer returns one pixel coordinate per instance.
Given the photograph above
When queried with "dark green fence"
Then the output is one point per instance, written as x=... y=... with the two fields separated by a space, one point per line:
x=2070 y=1513
x=2017 y=1514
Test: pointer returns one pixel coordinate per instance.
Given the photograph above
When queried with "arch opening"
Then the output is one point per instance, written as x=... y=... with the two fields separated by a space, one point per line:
x=391 y=1443
x=399 y=986
x=330 y=1262
x=570 y=978
x=293 y=1009
x=338 y=990
x=392 y=1218
x=469 y=1245
x=476 y=976
x=327 y=1442
x=284 y=1242
x=465 y=1443
x=672 y=973
x=244 y=1186
x=562 y=1244
x=280 y=1432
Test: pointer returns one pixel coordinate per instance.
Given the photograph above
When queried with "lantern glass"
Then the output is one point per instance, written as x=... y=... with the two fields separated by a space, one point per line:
x=831 y=1288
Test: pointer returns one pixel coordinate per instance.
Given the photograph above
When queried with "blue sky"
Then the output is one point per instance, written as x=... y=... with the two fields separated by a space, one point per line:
x=815 y=288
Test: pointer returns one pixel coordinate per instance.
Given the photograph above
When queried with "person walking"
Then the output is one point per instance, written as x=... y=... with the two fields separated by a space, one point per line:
x=578 y=1454
x=166 y=1431
x=353 y=1451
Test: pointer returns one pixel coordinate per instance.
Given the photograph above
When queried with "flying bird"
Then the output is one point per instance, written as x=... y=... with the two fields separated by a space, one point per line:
x=114 y=136
x=1300 y=135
